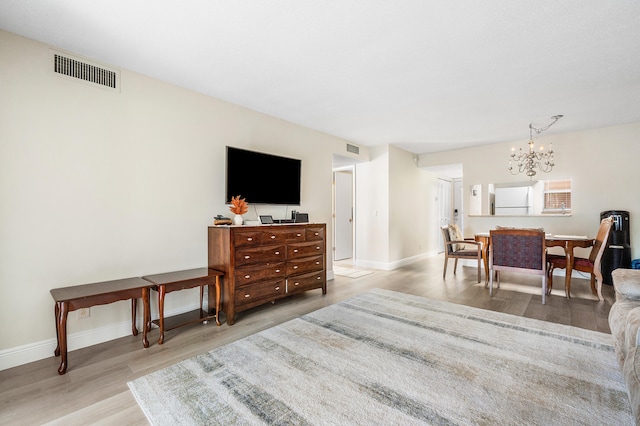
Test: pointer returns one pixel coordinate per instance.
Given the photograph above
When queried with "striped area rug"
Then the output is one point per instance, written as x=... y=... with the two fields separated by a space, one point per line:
x=390 y=358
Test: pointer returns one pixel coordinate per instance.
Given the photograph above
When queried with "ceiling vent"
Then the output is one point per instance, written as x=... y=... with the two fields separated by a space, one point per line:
x=353 y=148
x=81 y=69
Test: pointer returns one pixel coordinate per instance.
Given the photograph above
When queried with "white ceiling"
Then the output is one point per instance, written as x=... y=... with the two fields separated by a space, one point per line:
x=423 y=75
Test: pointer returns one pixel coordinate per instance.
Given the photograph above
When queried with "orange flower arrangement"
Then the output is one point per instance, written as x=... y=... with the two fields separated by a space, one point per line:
x=238 y=205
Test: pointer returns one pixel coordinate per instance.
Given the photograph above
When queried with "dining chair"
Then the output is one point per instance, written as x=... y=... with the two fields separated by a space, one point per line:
x=590 y=265
x=457 y=247
x=517 y=250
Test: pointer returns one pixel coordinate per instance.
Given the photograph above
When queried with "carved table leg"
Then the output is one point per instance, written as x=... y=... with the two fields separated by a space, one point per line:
x=62 y=310
x=218 y=300
x=146 y=322
x=56 y=352
x=201 y=297
x=134 y=305
x=568 y=271
x=161 y=292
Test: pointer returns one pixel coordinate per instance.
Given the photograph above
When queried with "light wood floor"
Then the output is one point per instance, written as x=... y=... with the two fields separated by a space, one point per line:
x=95 y=390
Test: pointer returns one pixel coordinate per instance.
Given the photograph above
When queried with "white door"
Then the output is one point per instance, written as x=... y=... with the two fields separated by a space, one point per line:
x=343 y=229
x=443 y=204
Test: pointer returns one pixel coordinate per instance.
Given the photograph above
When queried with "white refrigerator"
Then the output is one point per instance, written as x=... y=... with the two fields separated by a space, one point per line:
x=513 y=201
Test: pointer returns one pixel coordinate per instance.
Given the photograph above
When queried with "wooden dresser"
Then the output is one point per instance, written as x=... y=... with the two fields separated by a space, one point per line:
x=267 y=262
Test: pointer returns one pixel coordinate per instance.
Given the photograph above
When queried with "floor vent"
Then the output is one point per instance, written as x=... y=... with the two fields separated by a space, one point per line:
x=81 y=69
x=353 y=148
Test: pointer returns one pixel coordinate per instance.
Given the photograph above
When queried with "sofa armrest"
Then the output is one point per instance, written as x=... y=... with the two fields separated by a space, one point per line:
x=626 y=282
x=632 y=329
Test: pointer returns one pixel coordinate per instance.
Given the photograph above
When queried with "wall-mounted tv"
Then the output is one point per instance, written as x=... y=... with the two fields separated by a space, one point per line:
x=262 y=178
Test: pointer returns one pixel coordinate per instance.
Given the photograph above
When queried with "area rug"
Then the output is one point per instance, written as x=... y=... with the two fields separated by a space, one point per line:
x=390 y=358
x=350 y=272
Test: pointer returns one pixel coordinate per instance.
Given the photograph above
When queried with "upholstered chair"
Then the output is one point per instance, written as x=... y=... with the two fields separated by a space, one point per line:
x=590 y=265
x=517 y=250
x=457 y=247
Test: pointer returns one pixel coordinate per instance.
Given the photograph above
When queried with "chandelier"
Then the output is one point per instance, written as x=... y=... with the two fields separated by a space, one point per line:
x=527 y=161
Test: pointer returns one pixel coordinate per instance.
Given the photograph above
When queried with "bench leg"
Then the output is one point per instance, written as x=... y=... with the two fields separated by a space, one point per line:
x=146 y=323
x=161 y=293
x=56 y=314
x=134 y=305
x=216 y=301
x=62 y=311
x=201 y=297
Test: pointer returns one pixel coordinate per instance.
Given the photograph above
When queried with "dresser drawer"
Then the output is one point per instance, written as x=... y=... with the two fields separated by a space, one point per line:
x=250 y=274
x=305 y=264
x=276 y=235
x=304 y=282
x=314 y=233
x=258 y=293
x=295 y=235
x=261 y=255
x=311 y=248
x=247 y=238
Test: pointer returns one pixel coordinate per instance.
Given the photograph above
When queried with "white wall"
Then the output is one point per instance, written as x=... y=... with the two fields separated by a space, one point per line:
x=97 y=185
x=395 y=215
x=603 y=166
x=411 y=208
x=372 y=212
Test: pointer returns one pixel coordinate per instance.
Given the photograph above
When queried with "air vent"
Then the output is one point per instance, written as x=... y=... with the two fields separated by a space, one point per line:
x=353 y=148
x=85 y=71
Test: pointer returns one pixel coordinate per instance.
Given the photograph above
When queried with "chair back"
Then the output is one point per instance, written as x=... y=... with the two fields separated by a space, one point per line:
x=447 y=239
x=518 y=250
x=598 y=247
x=601 y=240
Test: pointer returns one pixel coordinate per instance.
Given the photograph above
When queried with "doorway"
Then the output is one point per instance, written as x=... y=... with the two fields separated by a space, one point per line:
x=444 y=209
x=343 y=214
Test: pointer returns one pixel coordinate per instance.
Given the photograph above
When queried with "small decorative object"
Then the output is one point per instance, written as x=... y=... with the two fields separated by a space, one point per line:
x=238 y=206
x=221 y=220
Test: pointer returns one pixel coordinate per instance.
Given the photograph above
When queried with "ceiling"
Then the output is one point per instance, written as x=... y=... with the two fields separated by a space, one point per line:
x=422 y=75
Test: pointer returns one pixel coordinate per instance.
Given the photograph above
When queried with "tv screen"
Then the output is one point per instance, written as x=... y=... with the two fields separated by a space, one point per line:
x=262 y=178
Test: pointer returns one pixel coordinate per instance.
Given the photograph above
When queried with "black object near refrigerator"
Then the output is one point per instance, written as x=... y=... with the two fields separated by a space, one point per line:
x=617 y=254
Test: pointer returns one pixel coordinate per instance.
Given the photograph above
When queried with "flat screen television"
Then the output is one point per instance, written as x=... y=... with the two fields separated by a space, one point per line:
x=262 y=178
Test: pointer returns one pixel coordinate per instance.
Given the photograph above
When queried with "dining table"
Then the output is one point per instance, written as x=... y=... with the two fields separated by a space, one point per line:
x=568 y=242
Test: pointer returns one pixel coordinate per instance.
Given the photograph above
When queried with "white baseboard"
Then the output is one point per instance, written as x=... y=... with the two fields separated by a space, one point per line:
x=19 y=355
x=390 y=266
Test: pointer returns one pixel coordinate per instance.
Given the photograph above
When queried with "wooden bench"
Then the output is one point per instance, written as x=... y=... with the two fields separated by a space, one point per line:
x=174 y=281
x=69 y=299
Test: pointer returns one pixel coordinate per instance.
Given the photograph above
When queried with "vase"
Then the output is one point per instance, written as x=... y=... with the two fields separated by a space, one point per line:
x=238 y=220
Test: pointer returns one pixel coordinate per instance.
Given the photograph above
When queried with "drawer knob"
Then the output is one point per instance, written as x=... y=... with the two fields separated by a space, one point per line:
x=247 y=276
x=273 y=237
x=317 y=233
x=277 y=270
x=277 y=252
x=247 y=295
x=318 y=248
x=318 y=278
x=277 y=288
x=299 y=235
x=250 y=239
x=317 y=263
x=296 y=283
x=295 y=267
x=295 y=251
x=247 y=257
